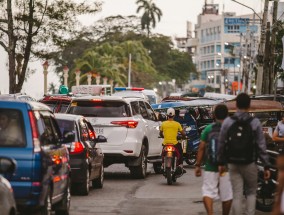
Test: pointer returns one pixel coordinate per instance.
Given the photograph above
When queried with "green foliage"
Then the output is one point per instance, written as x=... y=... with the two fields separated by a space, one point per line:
x=279 y=51
x=180 y=66
x=111 y=61
x=107 y=47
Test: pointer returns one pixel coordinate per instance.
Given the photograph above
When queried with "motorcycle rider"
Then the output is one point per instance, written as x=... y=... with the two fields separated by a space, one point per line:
x=169 y=131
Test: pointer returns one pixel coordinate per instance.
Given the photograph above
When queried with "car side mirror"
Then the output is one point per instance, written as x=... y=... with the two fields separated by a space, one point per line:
x=101 y=139
x=68 y=137
x=7 y=165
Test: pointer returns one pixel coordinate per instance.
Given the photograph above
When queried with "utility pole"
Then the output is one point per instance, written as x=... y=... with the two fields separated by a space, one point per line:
x=129 y=71
x=261 y=50
x=266 y=60
x=240 y=70
x=273 y=74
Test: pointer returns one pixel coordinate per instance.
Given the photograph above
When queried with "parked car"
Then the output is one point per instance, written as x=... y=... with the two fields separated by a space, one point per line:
x=130 y=126
x=58 y=103
x=17 y=96
x=30 y=134
x=7 y=201
x=86 y=157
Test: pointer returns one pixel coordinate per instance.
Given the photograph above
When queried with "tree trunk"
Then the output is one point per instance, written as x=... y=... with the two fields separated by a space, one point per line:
x=11 y=48
x=27 y=52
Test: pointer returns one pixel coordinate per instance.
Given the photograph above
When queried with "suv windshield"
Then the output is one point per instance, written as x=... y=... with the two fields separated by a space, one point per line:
x=100 y=109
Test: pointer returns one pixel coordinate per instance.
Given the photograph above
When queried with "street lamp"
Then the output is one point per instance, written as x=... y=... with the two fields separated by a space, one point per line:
x=45 y=67
x=65 y=74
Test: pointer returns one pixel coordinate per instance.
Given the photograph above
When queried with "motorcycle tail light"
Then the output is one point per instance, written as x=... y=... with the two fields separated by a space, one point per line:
x=170 y=148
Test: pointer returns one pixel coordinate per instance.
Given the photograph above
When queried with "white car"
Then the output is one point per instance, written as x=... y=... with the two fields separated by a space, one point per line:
x=130 y=126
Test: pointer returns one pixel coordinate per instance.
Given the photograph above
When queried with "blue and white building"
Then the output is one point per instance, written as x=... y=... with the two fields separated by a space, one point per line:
x=215 y=47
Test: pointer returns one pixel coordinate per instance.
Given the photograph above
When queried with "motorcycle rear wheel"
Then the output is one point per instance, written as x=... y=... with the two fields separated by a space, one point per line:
x=264 y=202
x=169 y=176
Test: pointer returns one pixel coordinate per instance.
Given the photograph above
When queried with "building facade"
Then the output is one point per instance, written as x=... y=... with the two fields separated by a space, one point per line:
x=223 y=48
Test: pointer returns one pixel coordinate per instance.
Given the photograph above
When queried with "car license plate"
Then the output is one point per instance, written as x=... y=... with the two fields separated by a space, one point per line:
x=99 y=131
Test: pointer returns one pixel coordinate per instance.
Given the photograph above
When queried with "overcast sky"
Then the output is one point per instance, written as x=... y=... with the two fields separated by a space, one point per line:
x=173 y=23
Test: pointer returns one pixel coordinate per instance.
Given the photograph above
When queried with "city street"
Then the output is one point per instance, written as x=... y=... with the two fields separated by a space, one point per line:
x=126 y=196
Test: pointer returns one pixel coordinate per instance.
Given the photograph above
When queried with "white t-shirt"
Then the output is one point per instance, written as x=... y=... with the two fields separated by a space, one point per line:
x=280 y=129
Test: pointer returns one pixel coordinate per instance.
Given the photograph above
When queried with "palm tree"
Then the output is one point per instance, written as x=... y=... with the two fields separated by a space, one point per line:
x=150 y=15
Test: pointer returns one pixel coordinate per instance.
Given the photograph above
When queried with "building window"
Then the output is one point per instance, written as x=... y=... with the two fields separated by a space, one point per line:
x=218 y=79
x=218 y=48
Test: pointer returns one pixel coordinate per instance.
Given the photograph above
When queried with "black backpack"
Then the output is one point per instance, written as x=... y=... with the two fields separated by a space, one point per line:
x=240 y=145
x=212 y=143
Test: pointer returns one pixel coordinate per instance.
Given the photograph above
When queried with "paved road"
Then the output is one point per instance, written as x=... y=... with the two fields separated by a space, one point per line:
x=122 y=195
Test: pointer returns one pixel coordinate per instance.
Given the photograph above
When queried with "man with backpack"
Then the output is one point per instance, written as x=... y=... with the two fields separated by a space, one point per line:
x=241 y=143
x=213 y=183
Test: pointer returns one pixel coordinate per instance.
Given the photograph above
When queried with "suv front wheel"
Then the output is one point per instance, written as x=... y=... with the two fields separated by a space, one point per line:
x=140 y=171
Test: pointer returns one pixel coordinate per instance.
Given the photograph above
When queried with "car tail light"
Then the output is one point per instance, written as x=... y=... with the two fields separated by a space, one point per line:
x=35 y=133
x=96 y=100
x=76 y=148
x=127 y=123
x=36 y=184
x=170 y=148
x=92 y=134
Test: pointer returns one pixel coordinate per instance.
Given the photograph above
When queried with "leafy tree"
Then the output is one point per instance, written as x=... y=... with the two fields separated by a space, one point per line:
x=150 y=15
x=36 y=28
x=180 y=66
x=279 y=51
x=112 y=61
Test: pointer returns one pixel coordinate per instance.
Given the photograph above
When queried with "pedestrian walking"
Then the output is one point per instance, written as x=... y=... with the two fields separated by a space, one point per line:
x=241 y=142
x=214 y=184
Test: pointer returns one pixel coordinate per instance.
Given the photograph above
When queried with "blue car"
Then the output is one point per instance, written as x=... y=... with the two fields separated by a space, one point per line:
x=30 y=135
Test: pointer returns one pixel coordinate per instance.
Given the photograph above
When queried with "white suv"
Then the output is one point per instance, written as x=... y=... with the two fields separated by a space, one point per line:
x=130 y=126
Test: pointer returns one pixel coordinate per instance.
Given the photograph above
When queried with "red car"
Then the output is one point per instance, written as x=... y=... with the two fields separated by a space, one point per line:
x=58 y=103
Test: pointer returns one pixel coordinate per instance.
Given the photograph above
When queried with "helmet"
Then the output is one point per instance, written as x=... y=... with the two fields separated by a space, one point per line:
x=171 y=112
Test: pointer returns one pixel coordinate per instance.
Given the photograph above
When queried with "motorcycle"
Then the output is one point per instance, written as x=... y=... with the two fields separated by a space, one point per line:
x=170 y=156
x=266 y=190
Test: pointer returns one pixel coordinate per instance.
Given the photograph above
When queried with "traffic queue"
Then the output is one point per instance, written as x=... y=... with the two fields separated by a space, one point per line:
x=60 y=145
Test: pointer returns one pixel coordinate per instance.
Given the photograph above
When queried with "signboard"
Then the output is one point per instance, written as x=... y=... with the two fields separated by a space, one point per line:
x=236 y=21
x=94 y=90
